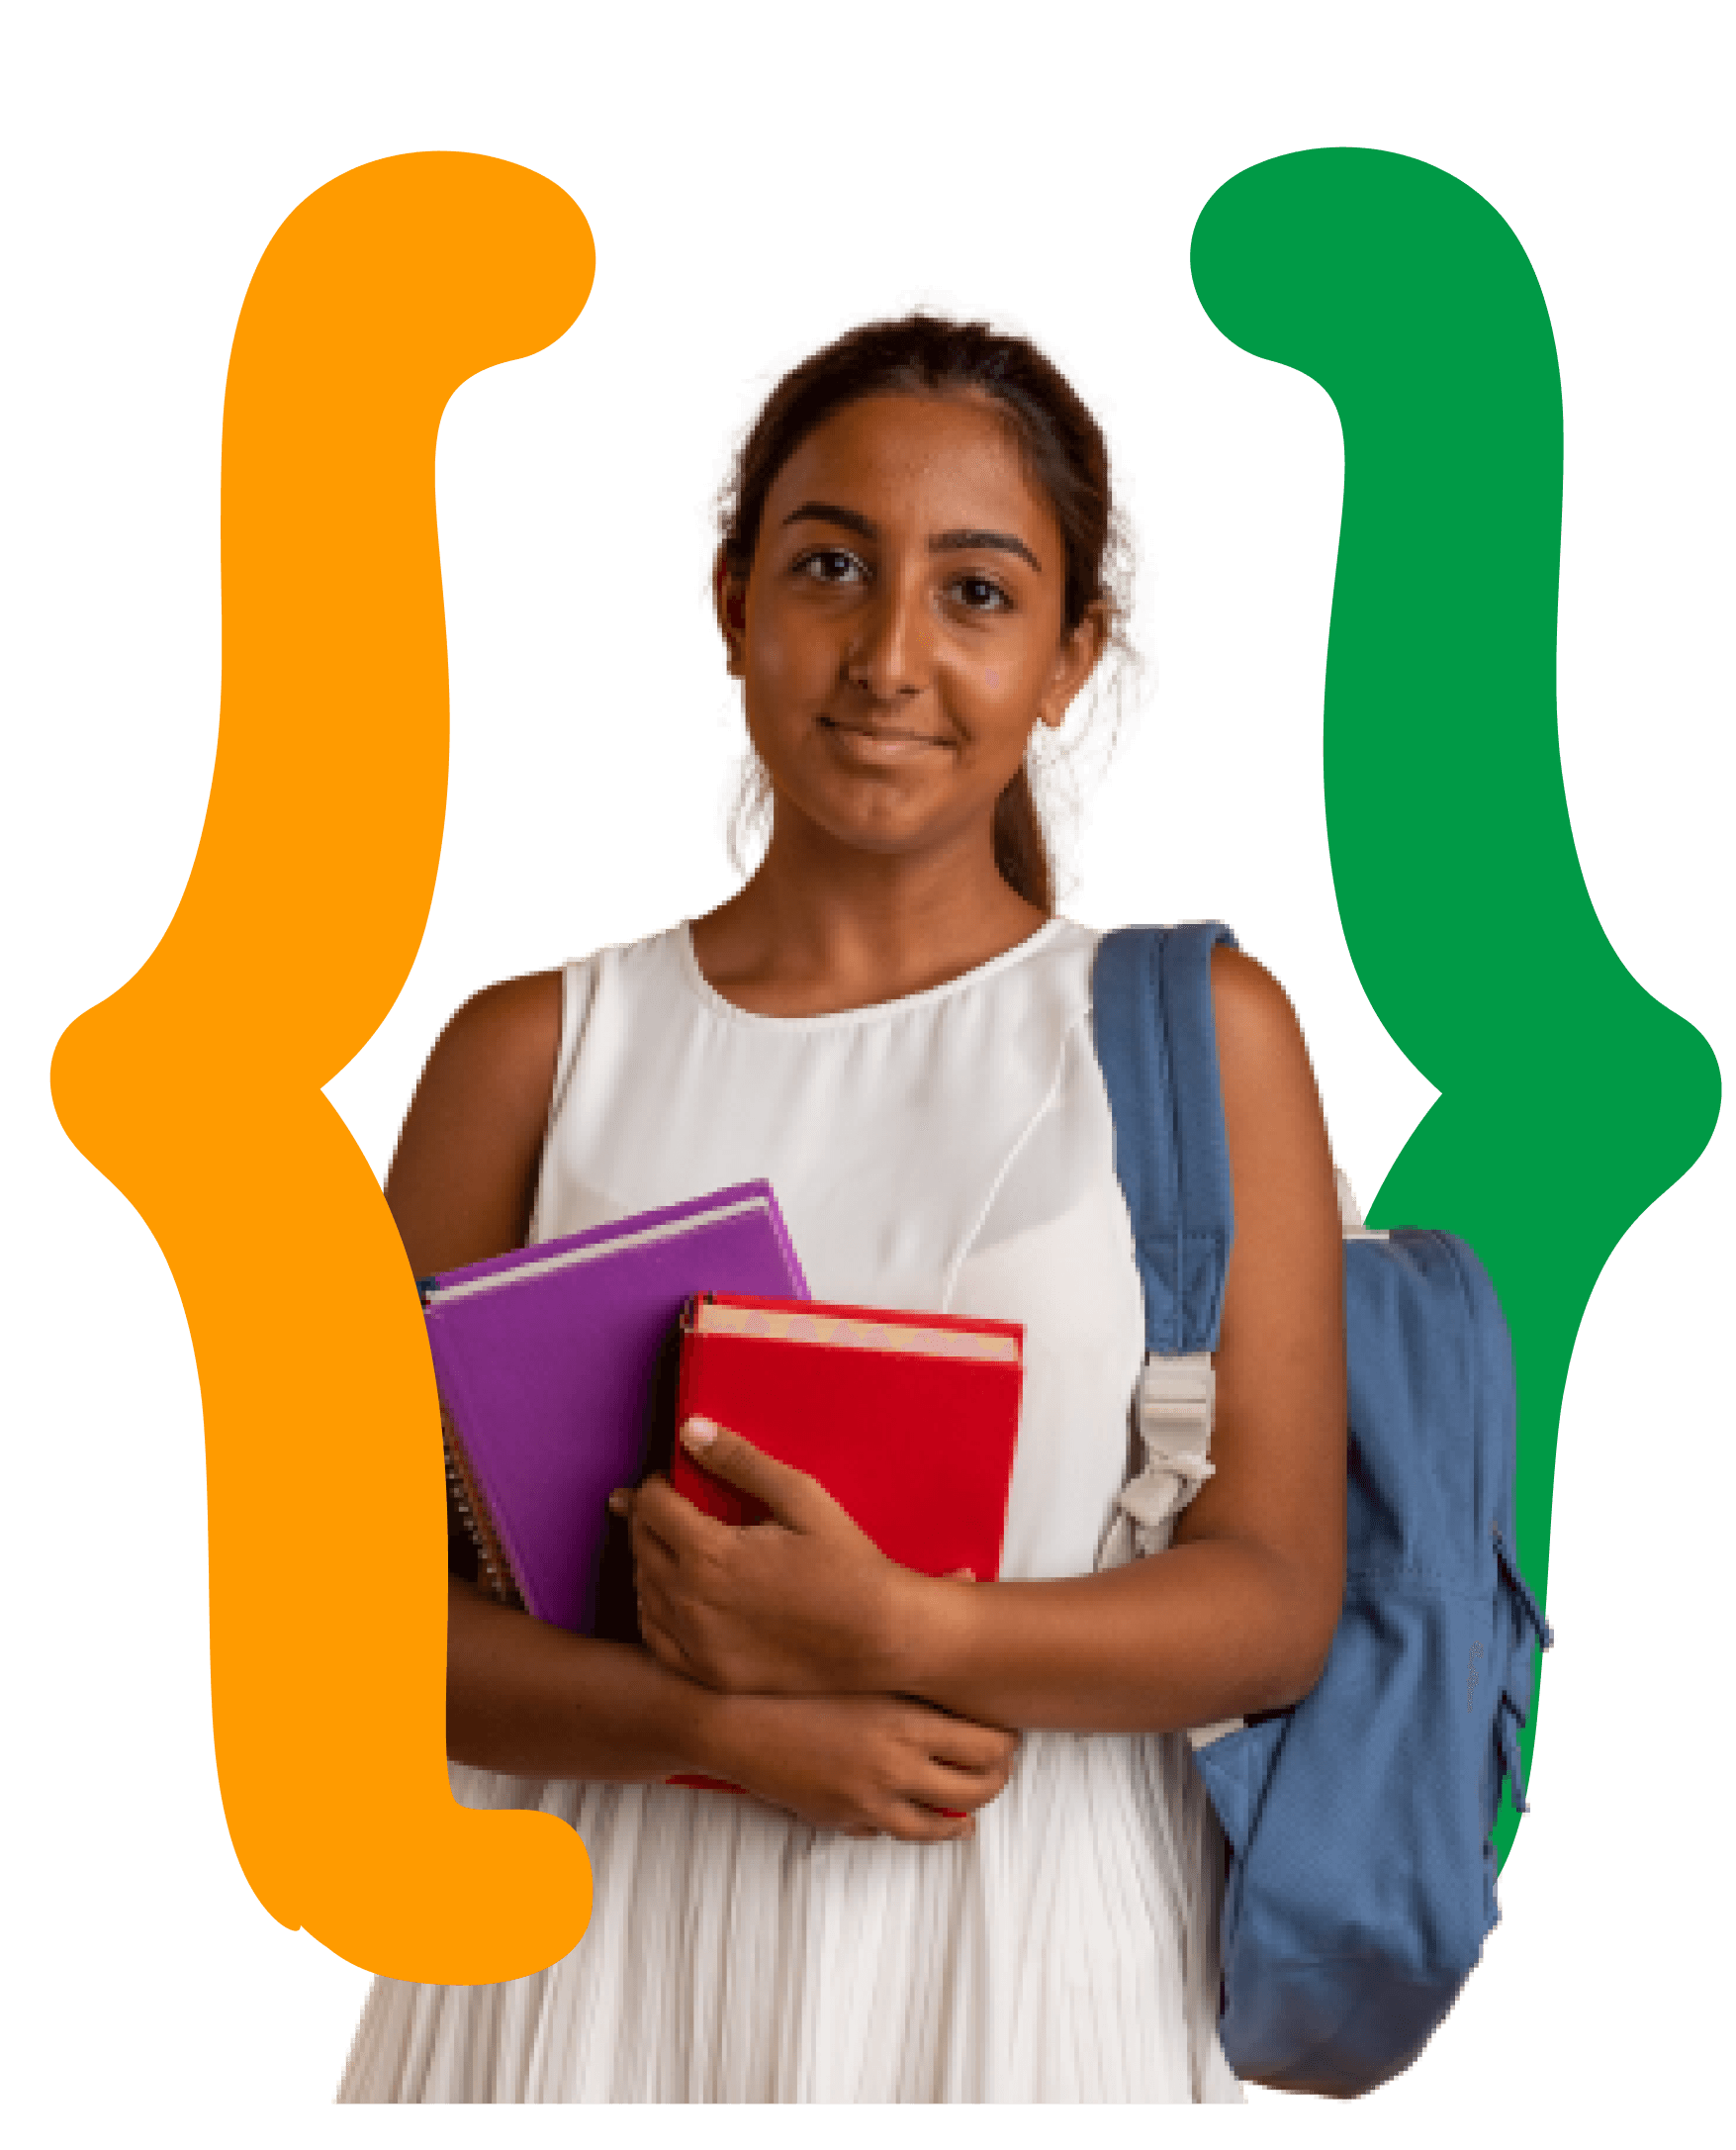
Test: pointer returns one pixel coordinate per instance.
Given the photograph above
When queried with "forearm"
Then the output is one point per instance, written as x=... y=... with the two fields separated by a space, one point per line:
x=1206 y=1630
x=534 y=1700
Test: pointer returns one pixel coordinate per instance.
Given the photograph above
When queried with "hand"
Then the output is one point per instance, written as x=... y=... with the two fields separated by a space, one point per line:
x=869 y=1765
x=804 y=1603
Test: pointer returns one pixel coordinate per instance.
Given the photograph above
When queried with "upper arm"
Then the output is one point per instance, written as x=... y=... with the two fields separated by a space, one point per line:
x=1278 y=1441
x=464 y=1177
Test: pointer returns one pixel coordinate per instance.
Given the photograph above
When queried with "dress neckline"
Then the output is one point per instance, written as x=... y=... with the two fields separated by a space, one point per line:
x=850 y=1019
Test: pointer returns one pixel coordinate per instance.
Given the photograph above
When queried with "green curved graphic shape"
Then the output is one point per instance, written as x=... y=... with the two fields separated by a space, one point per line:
x=1570 y=1099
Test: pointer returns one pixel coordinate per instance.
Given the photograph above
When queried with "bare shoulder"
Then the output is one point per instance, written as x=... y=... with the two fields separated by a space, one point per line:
x=1264 y=1056
x=1284 y=1270
x=1251 y=1012
x=462 y=1180
x=503 y=1039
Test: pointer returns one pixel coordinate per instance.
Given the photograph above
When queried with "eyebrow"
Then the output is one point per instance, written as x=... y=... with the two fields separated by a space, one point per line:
x=943 y=541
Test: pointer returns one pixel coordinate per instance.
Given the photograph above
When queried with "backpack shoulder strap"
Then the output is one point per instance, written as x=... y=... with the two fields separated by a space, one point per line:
x=1151 y=1014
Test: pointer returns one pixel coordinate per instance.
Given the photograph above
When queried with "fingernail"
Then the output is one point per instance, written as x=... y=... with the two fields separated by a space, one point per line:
x=698 y=1433
x=617 y=1502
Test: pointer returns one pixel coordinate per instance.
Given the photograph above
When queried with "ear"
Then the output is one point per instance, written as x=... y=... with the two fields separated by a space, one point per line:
x=1074 y=663
x=729 y=597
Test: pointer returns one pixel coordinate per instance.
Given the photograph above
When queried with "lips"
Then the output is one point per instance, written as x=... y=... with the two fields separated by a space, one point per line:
x=883 y=739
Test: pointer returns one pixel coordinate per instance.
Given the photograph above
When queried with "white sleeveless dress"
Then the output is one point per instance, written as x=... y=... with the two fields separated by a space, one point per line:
x=950 y=1151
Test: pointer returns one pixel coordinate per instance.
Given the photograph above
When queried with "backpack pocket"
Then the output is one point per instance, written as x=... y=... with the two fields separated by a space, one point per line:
x=1521 y=1620
x=1237 y=1769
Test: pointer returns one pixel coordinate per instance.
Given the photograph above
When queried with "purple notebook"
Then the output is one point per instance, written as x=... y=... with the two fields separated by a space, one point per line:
x=545 y=1360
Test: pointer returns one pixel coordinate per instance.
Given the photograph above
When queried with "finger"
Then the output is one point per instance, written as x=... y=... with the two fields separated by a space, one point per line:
x=976 y=1778
x=957 y=1743
x=961 y=1790
x=675 y=1525
x=670 y=1517
x=658 y=1604
x=916 y=1822
x=695 y=1648
x=973 y=1782
x=666 y=1648
x=948 y=1732
x=651 y=1555
x=960 y=1741
x=794 y=1498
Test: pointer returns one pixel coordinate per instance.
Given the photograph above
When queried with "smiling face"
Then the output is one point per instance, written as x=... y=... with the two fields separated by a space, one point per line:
x=901 y=631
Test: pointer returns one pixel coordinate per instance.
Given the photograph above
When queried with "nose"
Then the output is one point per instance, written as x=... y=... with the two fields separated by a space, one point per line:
x=889 y=655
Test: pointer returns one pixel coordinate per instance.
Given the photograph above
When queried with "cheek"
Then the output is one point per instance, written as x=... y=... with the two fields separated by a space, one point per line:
x=783 y=660
x=997 y=698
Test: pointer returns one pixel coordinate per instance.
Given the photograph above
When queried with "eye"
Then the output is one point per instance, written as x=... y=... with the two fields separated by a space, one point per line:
x=978 y=594
x=831 y=564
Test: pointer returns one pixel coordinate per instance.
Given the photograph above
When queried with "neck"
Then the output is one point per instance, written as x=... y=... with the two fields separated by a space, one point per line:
x=822 y=927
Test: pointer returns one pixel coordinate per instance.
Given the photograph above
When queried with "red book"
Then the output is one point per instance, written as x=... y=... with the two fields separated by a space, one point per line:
x=908 y=1419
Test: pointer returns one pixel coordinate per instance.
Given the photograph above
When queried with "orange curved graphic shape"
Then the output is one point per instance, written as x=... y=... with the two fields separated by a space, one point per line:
x=196 y=1089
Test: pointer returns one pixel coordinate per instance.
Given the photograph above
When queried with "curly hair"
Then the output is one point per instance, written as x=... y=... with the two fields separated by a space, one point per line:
x=929 y=343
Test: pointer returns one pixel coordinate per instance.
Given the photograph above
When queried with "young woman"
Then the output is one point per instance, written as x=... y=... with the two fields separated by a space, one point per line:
x=889 y=1022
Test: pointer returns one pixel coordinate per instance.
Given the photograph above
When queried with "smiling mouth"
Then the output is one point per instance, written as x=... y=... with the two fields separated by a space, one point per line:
x=883 y=740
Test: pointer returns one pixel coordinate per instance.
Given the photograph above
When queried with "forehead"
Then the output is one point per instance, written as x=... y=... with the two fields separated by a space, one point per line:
x=939 y=462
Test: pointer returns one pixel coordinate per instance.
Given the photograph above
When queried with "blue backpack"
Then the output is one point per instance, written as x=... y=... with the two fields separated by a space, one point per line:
x=1361 y=1877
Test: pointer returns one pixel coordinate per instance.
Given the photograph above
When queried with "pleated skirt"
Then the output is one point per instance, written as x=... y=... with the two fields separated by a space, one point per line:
x=1068 y=1952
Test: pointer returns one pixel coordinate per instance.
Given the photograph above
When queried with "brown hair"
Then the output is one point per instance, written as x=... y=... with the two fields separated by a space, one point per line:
x=1065 y=455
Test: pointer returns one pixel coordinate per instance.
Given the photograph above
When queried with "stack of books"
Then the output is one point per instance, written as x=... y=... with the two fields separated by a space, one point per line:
x=565 y=1369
